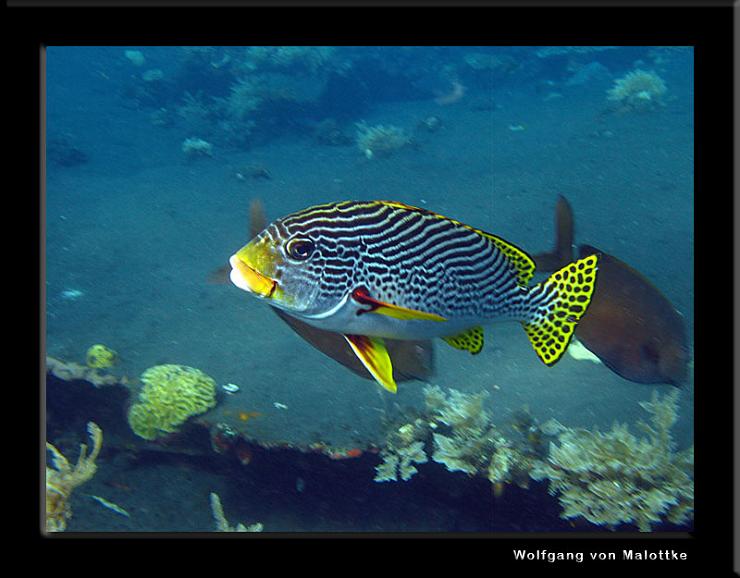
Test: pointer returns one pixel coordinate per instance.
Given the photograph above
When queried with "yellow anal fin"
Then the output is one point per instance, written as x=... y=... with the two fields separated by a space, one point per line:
x=374 y=356
x=553 y=323
x=470 y=340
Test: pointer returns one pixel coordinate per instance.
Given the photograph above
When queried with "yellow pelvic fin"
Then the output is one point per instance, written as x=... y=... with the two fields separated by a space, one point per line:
x=552 y=324
x=374 y=356
x=470 y=340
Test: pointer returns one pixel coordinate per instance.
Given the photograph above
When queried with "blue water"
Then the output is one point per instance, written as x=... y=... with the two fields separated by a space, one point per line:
x=135 y=226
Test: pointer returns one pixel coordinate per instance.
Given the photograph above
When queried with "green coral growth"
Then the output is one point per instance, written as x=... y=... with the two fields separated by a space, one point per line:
x=615 y=477
x=171 y=394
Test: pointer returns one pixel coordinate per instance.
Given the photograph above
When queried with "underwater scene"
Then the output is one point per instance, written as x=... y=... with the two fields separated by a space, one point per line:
x=311 y=289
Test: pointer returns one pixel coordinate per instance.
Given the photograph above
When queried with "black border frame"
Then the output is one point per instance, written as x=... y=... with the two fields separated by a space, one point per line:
x=708 y=29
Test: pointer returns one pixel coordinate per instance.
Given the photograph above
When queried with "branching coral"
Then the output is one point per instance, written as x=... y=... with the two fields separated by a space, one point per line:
x=470 y=439
x=222 y=524
x=171 y=394
x=614 y=477
x=62 y=479
x=404 y=448
x=638 y=90
x=380 y=140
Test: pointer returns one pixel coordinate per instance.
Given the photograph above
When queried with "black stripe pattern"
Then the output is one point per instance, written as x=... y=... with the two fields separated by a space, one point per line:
x=403 y=255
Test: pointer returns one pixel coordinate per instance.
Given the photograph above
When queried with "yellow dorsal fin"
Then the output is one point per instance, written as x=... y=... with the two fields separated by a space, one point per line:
x=470 y=340
x=374 y=356
x=523 y=262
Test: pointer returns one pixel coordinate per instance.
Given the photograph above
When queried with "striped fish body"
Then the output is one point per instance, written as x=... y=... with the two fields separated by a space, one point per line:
x=382 y=269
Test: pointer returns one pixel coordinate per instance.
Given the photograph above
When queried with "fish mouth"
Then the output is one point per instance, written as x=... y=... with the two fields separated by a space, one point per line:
x=251 y=280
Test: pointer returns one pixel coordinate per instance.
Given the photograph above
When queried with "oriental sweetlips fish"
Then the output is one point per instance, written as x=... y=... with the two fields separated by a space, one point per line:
x=375 y=270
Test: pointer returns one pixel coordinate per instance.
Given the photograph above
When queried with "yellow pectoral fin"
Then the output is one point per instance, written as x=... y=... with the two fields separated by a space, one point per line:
x=361 y=296
x=374 y=356
x=398 y=312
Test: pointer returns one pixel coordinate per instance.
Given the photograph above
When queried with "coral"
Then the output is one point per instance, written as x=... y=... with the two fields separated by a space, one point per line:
x=638 y=90
x=71 y=371
x=297 y=59
x=135 y=57
x=404 y=448
x=491 y=64
x=62 y=479
x=458 y=410
x=615 y=477
x=196 y=113
x=222 y=524
x=171 y=394
x=196 y=147
x=100 y=357
x=244 y=99
x=550 y=51
x=152 y=75
x=380 y=140
x=470 y=439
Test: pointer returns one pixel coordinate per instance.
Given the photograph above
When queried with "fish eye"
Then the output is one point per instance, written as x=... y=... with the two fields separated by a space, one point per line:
x=300 y=249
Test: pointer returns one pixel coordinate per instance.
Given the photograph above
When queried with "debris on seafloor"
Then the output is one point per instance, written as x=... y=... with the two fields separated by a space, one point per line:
x=111 y=506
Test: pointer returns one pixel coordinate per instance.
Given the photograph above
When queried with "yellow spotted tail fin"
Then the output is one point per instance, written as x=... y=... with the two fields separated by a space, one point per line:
x=562 y=299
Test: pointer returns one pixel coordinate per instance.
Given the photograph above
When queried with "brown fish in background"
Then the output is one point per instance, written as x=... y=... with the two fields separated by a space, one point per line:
x=411 y=359
x=631 y=326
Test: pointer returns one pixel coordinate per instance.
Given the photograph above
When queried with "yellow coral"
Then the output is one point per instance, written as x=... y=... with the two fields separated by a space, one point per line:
x=101 y=357
x=63 y=478
x=171 y=394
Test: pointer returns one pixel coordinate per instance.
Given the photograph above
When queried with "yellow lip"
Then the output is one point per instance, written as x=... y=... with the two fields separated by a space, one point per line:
x=244 y=277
